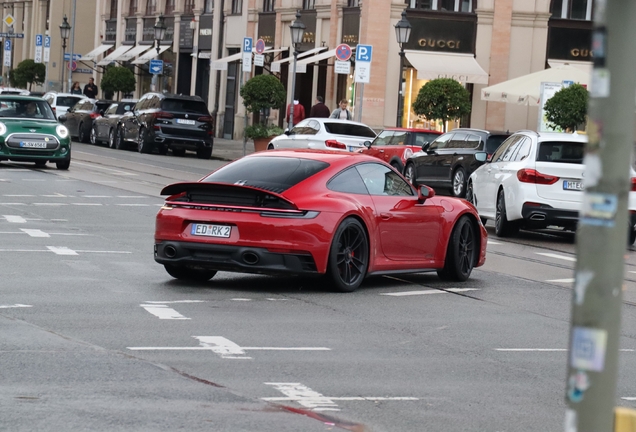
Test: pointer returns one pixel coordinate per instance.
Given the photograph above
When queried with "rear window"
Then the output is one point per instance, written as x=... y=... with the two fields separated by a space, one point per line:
x=182 y=105
x=102 y=106
x=124 y=107
x=349 y=130
x=275 y=174
x=562 y=152
x=67 y=101
x=493 y=142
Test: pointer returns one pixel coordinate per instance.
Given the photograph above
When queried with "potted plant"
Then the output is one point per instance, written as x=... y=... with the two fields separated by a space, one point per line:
x=260 y=94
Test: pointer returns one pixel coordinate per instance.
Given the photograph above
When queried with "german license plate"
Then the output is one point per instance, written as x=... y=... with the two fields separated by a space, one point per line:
x=183 y=121
x=32 y=144
x=211 y=230
x=352 y=148
x=572 y=185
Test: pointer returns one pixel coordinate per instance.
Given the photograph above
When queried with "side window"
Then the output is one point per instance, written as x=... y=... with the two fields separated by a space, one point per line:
x=497 y=156
x=512 y=149
x=381 y=180
x=399 y=138
x=313 y=127
x=441 y=142
x=156 y=102
x=348 y=181
x=458 y=141
x=522 y=151
x=383 y=139
x=140 y=105
x=473 y=141
x=112 y=109
x=299 y=129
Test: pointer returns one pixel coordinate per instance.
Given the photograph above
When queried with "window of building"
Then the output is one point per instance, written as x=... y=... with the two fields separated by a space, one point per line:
x=132 y=9
x=113 y=9
x=170 y=6
x=209 y=6
x=468 y=6
x=353 y=3
x=237 y=7
x=48 y=12
x=572 y=9
x=151 y=7
x=268 y=5
x=189 y=7
x=309 y=4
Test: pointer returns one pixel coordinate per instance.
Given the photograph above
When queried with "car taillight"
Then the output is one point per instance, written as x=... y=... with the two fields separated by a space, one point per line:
x=94 y=115
x=162 y=114
x=205 y=119
x=633 y=188
x=335 y=144
x=533 y=176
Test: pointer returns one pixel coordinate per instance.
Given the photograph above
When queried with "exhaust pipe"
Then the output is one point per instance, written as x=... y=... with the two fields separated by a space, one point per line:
x=537 y=217
x=250 y=258
x=170 y=251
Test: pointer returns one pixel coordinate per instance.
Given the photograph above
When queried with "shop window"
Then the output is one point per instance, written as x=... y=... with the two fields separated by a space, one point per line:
x=188 y=7
x=113 y=9
x=170 y=7
x=237 y=7
x=572 y=9
x=268 y=5
x=209 y=6
x=151 y=7
x=132 y=8
x=467 y=6
x=309 y=4
x=353 y=3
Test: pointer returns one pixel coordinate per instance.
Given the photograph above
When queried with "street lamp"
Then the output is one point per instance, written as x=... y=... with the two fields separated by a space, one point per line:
x=160 y=31
x=297 y=29
x=65 y=32
x=402 y=34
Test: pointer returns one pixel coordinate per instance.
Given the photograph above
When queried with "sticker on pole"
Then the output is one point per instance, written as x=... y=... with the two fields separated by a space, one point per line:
x=588 y=349
x=343 y=52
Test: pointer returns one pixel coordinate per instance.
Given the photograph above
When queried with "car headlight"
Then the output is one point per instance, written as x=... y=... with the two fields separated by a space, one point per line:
x=3 y=128
x=61 y=131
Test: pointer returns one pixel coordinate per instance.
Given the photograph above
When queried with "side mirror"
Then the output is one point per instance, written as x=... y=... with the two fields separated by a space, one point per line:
x=424 y=192
x=287 y=132
x=367 y=144
x=62 y=118
x=425 y=146
x=481 y=156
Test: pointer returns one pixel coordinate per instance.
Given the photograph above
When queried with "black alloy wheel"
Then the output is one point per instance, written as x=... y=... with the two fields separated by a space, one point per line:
x=503 y=227
x=186 y=274
x=93 y=136
x=409 y=173
x=459 y=183
x=348 y=256
x=461 y=252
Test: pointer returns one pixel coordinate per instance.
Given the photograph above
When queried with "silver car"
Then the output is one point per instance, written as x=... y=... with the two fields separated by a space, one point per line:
x=324 y=134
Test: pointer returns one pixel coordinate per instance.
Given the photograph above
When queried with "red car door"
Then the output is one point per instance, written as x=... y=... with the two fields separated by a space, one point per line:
x=408 y=230
x=380 y=145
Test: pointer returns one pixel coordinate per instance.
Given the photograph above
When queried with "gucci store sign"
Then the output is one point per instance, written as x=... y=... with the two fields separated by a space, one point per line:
x=443 y=35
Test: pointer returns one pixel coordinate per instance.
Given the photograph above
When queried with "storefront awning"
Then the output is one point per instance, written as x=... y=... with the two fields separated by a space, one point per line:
x=151 y=54
x=112 y=56
x=318 y=57
x=221 y=64
x=131 y=54
x=97 y=51
x=202 y=55
x=461 y=67
x=275 y=67
x=583 y=65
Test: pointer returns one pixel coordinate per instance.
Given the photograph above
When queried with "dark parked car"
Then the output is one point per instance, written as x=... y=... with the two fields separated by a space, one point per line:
x=105 y=127
x=167 y=121
x=396 y=145
x=447 y=162
x=79 y=118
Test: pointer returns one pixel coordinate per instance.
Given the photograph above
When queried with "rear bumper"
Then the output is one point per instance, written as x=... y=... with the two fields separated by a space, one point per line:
x=544 y=215
x=185 y=142
x=232 y=258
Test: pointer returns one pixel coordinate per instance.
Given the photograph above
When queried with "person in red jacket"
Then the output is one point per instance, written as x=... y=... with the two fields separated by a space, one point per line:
x=299 y=114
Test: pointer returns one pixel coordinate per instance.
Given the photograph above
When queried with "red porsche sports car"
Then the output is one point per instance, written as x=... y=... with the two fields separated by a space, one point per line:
x=346 y=215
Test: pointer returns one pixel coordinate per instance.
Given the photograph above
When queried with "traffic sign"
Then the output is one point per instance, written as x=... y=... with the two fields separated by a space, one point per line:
x=39 y=41
x=364 y=54
x=248 y=44
x=72 y=66
x=12 y=35
x=7 y=53
x=343 y=52
x=342 y=67
x=260 y=46
x=156 y=67
x=47 y=49
x=9 y=20
x=67 y=56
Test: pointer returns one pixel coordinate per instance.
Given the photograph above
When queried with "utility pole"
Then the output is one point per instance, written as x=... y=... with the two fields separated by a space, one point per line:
x=72 y=60
x=602 y=232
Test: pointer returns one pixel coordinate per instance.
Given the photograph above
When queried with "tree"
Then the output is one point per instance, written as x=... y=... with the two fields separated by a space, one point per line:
x=27 y=72
x=442 y=99
x=118 y=79
x=261 y=93
x=567 y=108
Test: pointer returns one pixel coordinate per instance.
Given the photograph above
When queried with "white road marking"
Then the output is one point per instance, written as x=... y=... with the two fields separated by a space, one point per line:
x=631 y=271
x=17 y=195
x=50 y=204
x=14 y=219
x=17 y=305
x=87 y=204
x=176 y=301
x=629 y=398
x=131 y=196
x=241 y=299
x=431 y=291
x=275 y=299
x=95 y=196
x=492 y=242
x=113 y=171
x=61 y=250
x=14 y=204
x=34 y=232
x=304 y=396
x=163 y=312
x=56 y=195
x=133 y=205
x=557 y=256
x=35 y=180
x=105 y=252
x=545 y=349
x=567 y=280
x=226 y=348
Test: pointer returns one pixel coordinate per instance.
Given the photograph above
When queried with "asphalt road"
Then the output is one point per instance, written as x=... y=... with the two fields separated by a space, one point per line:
x=94 y=335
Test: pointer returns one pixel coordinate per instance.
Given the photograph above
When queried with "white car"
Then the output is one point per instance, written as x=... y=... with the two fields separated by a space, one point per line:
x=14 y=91
x=61 y=102
x=324 y=134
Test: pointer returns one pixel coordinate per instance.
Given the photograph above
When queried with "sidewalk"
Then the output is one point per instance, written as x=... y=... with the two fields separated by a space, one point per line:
x=224 y=149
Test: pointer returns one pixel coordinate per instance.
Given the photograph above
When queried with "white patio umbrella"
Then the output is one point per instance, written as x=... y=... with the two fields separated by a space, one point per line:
x=526 y=90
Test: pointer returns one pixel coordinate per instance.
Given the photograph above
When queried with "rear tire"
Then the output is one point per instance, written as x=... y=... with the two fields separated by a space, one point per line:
x=82 y=136
x=93 y=136
x=503 y=227
x=461 y=252
x=632 y=230
x=121 y=144
x=409 y=173
x=142 y=142
x=204 y=153
x=112 y=138
x=348 y=256
x=186 y=274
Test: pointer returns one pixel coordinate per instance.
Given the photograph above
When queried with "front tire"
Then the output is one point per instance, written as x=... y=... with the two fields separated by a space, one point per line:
x=409 y=173
x=186 y=274
x=503 y=227
x=348 y=256
x=142 y=142
x=470 y=194
x=112 y=138
x=82 y=136
x=93 y=136
x=459 y=183
x=63 y=165
x=121 y=144
x=461 y=252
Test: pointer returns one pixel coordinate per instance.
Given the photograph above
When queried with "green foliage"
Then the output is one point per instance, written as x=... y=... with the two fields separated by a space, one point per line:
x=262 y=131
x=567 y=108
x=261 y=92
x=118 y=79
x=27 y=72
x=442 y=99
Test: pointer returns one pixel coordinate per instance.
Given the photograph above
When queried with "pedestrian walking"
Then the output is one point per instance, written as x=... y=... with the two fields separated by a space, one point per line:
x=342 y=112
x=76 y=89
x=319 y=110
x=299 y=113
x=90 y=89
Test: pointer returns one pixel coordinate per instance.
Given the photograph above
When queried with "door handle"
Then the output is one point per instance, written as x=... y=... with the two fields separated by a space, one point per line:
x=381 y=151
x=386 y=216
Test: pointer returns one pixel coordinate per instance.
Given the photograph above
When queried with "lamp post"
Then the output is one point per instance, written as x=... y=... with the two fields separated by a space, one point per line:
x=65 y=32
x=402 y=33
x=297 y=29
x=160 y=31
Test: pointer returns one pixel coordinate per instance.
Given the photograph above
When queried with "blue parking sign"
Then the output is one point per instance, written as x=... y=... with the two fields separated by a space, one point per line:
x=247 y=44
x=156 y=67
x=364 y=53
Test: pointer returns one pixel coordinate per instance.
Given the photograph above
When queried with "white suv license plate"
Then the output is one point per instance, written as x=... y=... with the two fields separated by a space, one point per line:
x=32 y=144
x=188 y=122
x=572 y=185
x=211 y=230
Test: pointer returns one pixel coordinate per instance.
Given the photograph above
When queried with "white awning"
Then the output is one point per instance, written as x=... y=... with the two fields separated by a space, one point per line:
x=221 y=64
x=151 y=54
x=129 y=55
x=276 y=65
x=97 y=51
x=112 y=56
x=202 y=55
x=586 y=66
x=461 y=67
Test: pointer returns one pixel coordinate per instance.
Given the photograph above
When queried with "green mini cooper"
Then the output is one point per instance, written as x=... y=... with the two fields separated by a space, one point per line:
x=29 y=132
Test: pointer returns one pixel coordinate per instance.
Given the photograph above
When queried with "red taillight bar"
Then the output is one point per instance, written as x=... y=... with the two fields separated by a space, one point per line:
x=533 y=176
x=335 y=144
x=163 y=114
x=633 y=184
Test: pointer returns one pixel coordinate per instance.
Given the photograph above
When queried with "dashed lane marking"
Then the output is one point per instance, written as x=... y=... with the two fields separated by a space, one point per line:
x=17 y=195
x=133 y=205
x=34 y=232
x=14 y=219
x=61 y=250
x=163 y=312
x=567 y=280
x=176 y=301
x=431 y=291
x=17 y=305
x=557 y=256
x=241 y=299
x=545 y=350
x=492 y=242
x=87 y=204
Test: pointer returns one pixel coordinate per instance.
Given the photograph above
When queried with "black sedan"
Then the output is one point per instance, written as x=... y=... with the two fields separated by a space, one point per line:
x=79 y=118
x=105 y=127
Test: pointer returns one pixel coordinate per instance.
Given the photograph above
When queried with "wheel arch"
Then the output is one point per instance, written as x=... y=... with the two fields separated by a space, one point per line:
x=371 y=241
x=476 y=224
x=395 y=160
